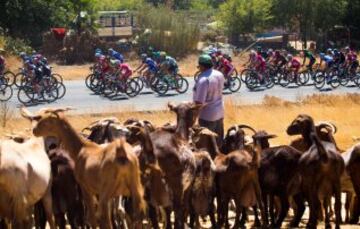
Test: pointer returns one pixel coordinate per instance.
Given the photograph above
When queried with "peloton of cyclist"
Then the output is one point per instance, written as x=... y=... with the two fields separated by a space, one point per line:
x=168 y=64
x=293 y=64
x=307 y=54
x=147 y=64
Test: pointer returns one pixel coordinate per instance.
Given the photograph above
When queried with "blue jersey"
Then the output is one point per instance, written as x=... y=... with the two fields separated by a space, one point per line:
x=328 y=59
x=117 y=56
x=151 y=64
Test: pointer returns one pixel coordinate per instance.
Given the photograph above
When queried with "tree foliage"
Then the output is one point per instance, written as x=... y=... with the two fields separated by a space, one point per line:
x=244 y=16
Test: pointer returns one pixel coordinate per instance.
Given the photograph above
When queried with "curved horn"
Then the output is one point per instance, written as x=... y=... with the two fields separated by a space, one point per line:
x=28 y=115
x=328 y=126
x=247 y=127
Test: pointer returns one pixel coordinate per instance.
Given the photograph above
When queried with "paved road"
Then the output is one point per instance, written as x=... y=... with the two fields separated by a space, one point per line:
x=84 y=101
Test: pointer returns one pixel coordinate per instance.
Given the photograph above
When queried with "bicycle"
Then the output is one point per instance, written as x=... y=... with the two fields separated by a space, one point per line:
x=6 y=90
x=254 y=80
x=44 y=91
x=113 y=86
x=327 y=78
x=165 y=82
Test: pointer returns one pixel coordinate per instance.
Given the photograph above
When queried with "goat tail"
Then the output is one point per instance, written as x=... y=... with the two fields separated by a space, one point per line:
x=320 y=147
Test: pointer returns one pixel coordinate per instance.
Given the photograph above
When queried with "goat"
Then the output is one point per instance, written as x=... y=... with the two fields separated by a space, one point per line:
x=105 y=171
x=25 y=178
x=236 y=178
x=279 y=176
x=321 y=167
x=176 y=160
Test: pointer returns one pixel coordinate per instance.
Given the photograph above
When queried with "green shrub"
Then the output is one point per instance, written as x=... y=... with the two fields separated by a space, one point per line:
x=168 y=31
x=16 y=45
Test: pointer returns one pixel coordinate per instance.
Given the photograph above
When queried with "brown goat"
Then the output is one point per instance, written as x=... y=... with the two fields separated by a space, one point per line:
x=156 y=190
x=279 y=176
x=105 y=171
x=321 y=167
x=176 y=160
x=236 y=178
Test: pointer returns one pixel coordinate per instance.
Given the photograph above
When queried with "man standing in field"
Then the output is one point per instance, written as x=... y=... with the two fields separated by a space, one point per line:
x=208 y=92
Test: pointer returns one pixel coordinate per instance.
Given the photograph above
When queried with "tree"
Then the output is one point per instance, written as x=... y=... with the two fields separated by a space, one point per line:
x=244 y=16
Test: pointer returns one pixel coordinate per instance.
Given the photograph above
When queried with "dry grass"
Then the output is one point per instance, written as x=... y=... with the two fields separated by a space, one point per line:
x=274 y=115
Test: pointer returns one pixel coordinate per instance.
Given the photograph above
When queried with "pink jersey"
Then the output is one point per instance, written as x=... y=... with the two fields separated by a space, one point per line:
x=125 y=69
x=295 y=63
x=226 y=65
x=351 y=56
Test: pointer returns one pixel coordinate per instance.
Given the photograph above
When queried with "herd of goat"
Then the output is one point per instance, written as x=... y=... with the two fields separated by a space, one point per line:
x=123 y=175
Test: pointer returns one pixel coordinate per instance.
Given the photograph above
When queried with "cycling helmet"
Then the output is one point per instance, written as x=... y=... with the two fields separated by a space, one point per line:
x=22 y=54
x=336 y=51
x=270 y=50
x=162 y=54
x=277 y=53
x=110 y=50
x=258 y=48
x=322 y=55
x=252 y=53
x=44 y=60
x=98 y=50
x=289 y=57
x=205 y=60
x=143 y=56
x=98 y=55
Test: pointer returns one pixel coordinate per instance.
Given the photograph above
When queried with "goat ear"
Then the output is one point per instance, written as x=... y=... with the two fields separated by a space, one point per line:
x=172 y=106
x=57 y=110
x=28 y=115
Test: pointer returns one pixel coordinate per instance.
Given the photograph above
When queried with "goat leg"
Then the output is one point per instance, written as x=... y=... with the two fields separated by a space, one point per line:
x=153 y=217
x=259 y=201
x=349 y=200
x=300 y=209
x=283 y=211
x=266 y=207
x=337 y=189
x=326 y=205
x=47 y=203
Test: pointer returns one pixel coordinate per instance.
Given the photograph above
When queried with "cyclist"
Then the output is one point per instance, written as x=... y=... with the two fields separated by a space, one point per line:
x=270 y=55
x=293 y=64
x=226 y=67
x=149 y=65
x=279 y=60
x=306 y=54
x=102 y=63
x=168 y=64
x=98 y=50
x=124 y=70
x=258 y=62
x=328 y=60
x=115 y=55
x=351 y=60
x=339 y=58
x=2 y=61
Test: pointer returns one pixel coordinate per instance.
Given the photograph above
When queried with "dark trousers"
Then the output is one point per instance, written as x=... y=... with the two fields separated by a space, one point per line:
x=216 y=127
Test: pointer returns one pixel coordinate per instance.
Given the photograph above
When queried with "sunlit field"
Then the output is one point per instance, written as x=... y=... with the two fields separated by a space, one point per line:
x=273 y=115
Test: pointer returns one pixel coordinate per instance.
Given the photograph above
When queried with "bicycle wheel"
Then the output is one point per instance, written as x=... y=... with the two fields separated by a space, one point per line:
x=320 y=81
x=132 y=88
x=58 y=77
x=25 y=95
x=269 y=82
x=284 y=81
x=161 y=87
x=181 y=84
x=18 y=79
x=5 y=92
x=234 y=84
x=62 y=90
x=88 y=80
x=140 y=81
x=334 y=82
x=10 y=77
x=251 y=81
x=243 y=75
x=50 y=94
x=302 y=79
